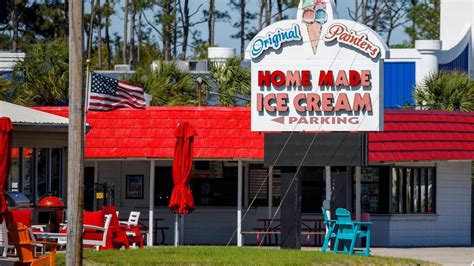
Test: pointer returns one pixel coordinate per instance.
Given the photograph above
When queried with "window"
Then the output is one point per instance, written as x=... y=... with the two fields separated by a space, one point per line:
x=14 y=179
x=37 y=172
x=163 y=185
x=220 y=189
x=55 y=184
x=42 y=156
x=213 y=183
x=29 y=173
x=374 y=189
x=413 y=190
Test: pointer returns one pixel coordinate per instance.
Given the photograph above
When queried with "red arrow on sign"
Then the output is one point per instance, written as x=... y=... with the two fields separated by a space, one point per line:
x=280 y=120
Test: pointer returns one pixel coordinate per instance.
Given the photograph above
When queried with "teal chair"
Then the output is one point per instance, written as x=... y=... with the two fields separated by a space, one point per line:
x=330 y=226
x=349 y=231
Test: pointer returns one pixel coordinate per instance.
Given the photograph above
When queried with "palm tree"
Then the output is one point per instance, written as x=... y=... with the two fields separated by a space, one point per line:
x=168 y=84
x=450 y=91
x=42 y=78
x=232 y=81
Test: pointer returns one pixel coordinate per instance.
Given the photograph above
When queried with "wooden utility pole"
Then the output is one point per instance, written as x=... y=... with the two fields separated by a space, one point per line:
x=75 y=166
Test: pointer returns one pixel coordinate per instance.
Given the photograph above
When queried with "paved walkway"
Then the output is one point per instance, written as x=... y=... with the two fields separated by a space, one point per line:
x=442 y=255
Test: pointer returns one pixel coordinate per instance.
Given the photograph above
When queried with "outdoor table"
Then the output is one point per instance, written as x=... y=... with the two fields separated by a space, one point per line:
x=47 y=235
x=309 y=226
x=144 y=229
x=55 y=237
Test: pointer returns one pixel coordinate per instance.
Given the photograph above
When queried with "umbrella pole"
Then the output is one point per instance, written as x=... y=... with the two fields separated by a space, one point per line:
x=181 y=231
x=176 y=230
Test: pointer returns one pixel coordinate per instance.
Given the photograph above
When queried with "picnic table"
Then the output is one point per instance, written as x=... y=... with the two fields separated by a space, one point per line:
x=144 y=222
x=272 y=227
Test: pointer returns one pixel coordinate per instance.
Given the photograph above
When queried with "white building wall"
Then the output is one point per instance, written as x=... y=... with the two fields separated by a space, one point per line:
x=9 y=59
x=450 y=226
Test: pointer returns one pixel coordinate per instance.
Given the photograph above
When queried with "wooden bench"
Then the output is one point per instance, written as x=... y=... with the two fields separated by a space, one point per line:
x=276 y=231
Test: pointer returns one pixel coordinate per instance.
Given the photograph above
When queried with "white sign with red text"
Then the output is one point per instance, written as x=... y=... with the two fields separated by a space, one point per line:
x=317 y=73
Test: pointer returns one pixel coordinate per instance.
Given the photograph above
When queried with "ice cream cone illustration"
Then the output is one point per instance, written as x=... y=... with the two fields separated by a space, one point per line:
x=314 y=15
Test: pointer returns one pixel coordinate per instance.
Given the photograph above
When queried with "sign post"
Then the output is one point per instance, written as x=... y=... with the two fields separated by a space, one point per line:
x=314 y=74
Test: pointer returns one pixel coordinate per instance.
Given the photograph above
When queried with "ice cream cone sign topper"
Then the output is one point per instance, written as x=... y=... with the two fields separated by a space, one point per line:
x=314 y=16
x=317 y=72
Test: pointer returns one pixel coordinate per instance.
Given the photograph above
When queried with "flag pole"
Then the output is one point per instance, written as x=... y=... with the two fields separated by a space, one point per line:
x=87 y=93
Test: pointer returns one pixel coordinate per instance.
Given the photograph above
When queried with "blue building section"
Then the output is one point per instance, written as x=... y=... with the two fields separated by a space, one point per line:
x=461 y=63
x=6 y=75
x=399 y=81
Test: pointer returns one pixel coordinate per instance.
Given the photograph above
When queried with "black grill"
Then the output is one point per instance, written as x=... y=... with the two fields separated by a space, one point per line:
x=17 y=200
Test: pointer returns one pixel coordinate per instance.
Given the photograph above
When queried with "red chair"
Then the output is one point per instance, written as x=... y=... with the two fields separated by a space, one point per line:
x=119 y=236
x=19 y=216
x=97 y=230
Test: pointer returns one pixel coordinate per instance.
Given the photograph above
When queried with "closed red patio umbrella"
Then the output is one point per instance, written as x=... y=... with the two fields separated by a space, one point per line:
x=6 y=129
x=181 y=201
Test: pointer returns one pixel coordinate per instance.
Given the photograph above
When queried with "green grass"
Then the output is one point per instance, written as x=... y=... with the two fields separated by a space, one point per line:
x=206 y=255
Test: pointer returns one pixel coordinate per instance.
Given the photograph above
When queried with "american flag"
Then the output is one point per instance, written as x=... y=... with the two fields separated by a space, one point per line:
x=109 y=94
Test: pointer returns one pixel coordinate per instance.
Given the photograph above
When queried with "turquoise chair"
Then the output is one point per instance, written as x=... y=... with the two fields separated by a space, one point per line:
x=349 y=231
x=330 y=226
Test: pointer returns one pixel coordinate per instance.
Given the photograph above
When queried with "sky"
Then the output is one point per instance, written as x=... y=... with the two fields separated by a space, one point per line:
x=224 y=30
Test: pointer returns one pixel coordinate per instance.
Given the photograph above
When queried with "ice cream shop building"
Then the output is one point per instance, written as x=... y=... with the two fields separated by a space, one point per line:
x=325 y=111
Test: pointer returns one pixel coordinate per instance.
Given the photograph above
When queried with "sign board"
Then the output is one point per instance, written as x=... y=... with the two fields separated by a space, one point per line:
x=317 y=73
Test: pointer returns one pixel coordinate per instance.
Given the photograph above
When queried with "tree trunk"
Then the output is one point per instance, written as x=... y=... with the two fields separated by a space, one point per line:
x=389 y=36
x=91 y=31
x=107 y=36
x=15 y=26
x=139 y=46
x=280 y=9
x=66 y=14
x=268 y=12
x=167 y=30
x=132 y=32
x=365 y=18
x=175 y=29
x=212 y=22
x=125 y=30
x=263 y=4
x=99 y=34
x=242 y=28
x=185 y=20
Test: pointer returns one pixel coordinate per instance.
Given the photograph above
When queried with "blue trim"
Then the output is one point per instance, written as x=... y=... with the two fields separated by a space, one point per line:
x=461 y=63
x=399 y=81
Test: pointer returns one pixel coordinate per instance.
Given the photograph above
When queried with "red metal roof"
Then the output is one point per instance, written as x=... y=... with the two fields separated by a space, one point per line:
x=125 y=133
x=224 y=133
x=413 y=135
